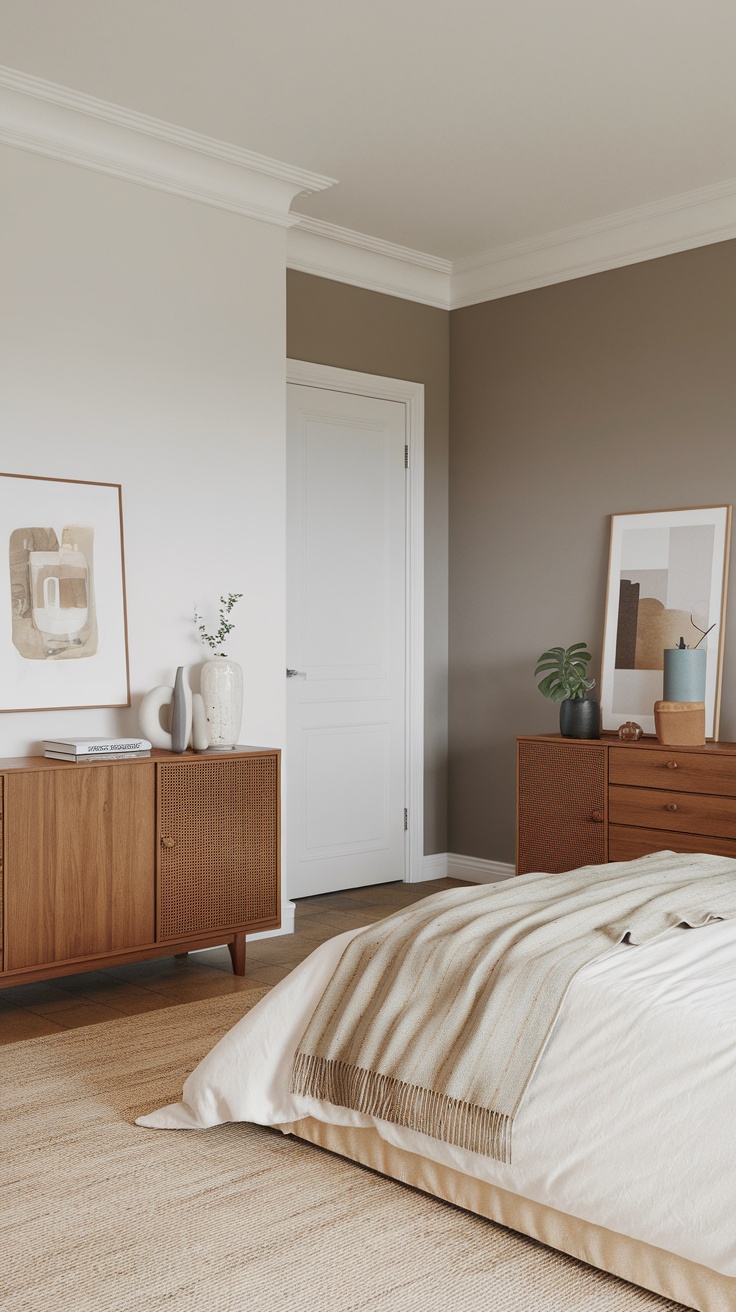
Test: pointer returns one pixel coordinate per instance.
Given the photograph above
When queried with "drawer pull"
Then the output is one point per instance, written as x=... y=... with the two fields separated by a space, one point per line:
x=671 y=806
x=597 y=816
x=168 y=842
x=672 y=765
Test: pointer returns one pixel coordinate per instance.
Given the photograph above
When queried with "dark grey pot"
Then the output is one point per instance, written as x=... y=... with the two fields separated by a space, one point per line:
x=580 y=719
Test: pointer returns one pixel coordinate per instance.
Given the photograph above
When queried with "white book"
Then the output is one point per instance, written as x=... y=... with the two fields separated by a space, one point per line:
x=96 y=746
x=85 y=758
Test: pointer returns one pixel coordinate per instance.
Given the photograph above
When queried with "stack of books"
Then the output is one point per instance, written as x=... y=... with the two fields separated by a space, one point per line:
x=84 y=750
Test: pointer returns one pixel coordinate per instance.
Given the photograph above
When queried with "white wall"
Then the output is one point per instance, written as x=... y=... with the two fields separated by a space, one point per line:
x=143 y=343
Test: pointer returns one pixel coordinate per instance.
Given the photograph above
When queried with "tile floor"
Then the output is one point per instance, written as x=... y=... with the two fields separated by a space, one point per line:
x=28 y=1010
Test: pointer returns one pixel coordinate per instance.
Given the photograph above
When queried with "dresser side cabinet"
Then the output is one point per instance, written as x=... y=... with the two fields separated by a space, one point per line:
x=561 y=806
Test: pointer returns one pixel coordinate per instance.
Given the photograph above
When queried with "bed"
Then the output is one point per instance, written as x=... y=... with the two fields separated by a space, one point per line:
x=624 y=1151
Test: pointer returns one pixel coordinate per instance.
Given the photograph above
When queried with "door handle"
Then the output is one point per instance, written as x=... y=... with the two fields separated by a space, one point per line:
x=296 y=674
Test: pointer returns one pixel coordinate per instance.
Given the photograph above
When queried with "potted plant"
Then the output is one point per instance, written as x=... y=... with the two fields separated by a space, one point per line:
x=566 y=681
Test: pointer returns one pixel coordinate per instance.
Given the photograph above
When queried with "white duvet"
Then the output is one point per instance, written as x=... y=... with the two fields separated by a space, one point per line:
x=630 y=1118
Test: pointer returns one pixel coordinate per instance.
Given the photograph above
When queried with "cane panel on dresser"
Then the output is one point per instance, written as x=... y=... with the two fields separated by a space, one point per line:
x=561 y=806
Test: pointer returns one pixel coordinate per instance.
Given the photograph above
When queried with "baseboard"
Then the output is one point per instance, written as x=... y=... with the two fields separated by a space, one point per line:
x=287 y=927
x=448 y=865
x=476 y=869
x=433 y=867
x=287 y=924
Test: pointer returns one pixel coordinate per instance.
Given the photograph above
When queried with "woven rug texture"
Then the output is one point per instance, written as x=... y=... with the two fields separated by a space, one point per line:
x=101 y=1215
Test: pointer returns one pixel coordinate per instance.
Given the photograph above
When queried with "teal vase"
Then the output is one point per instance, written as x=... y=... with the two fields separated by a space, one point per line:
x=684 y=674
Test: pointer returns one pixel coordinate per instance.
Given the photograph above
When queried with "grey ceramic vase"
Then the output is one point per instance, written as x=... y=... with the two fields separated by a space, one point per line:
x=179 y=714
x=580 y=718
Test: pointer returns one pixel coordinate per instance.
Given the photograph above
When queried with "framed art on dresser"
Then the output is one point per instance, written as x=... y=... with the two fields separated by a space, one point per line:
x=63 y=636
x=667 y=577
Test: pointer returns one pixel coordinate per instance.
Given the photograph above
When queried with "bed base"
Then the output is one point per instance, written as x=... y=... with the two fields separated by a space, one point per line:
x=642 y=1264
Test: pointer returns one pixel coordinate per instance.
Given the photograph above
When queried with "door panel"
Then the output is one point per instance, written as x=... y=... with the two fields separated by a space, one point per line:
x=80 y=861
x=346 y=563
x=218 y=844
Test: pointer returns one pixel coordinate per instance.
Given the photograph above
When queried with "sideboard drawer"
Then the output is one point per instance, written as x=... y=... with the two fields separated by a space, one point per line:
x=689 y=772
x=655 y=808
x=626 y=842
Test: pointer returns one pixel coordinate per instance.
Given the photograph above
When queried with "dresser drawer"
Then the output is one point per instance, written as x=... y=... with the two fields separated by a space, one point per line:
x=655 y=808
x=689 y=772
x=625 y=843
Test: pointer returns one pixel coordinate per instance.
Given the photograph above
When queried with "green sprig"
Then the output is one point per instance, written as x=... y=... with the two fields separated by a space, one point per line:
x=215 y=640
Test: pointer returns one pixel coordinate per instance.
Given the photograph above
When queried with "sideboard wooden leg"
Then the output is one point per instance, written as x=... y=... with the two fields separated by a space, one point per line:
x=237 y=953
x=180 y=956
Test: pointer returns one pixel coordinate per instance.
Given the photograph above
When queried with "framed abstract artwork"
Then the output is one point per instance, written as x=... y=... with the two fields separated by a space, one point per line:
x=63 y=638
x=667 y=577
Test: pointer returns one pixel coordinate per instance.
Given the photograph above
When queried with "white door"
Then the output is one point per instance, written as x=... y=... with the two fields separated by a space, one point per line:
x=345 y=640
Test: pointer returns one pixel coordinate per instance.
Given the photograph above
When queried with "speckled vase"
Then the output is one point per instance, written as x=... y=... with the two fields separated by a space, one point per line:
x=222 y=693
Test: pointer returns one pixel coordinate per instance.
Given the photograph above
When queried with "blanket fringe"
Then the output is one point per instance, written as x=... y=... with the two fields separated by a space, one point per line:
x=479 y=1129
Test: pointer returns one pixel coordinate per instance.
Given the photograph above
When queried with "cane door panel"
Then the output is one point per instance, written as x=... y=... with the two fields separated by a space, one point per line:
x=561 y=806
x=218 y=844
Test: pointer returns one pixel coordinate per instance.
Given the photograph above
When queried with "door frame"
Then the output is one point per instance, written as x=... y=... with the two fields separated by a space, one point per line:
x=411 y=396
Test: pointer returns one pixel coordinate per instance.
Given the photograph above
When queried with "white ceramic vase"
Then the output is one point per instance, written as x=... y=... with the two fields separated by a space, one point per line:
x=222 y=694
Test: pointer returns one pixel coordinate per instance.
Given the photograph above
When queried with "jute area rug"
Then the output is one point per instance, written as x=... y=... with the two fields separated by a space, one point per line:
x=100 y=1215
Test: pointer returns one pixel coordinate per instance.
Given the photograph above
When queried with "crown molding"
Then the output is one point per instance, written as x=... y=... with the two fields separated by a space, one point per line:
x=52 y=120
x=361 y=239
x=328 y=251
x=647 y=232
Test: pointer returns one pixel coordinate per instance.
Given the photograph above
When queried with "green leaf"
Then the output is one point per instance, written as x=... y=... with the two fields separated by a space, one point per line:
x=564 y=671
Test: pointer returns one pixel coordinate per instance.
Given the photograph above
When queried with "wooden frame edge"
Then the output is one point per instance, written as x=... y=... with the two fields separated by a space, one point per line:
x=673 y=510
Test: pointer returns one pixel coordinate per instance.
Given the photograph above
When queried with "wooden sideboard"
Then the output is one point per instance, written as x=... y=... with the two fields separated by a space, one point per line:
x=586 y=801
x=116 y=861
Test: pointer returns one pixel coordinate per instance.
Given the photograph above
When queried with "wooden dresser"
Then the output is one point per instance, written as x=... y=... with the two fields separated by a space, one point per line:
x=116 y=861
x=582 y=802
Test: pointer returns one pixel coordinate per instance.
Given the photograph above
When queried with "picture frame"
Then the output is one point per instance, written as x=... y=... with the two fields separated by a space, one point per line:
x=667 y=579
x=63 y=619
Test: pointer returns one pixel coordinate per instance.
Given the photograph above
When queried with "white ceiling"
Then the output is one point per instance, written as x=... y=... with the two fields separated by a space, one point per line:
x=452 y=129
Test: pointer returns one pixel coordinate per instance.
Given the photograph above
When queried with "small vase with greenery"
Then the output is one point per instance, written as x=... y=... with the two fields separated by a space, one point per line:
x=221 y=680
x=566 y=681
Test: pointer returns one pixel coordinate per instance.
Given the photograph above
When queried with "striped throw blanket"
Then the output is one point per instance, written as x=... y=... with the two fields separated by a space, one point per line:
x=436 y=1017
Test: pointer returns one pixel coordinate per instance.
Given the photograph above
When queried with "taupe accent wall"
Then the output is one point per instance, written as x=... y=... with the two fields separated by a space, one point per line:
x=350 y=328
x=605 y=394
